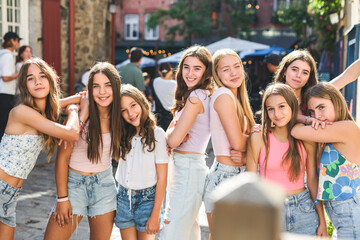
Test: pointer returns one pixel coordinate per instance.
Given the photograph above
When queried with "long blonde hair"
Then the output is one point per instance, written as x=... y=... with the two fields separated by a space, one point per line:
x=242 y=104
x=52 y=109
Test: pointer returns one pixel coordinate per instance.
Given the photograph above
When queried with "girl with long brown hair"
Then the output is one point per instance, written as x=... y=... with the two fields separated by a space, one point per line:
x=142 y=169
x=32 y=127
x=84 y=179
x=283 y=159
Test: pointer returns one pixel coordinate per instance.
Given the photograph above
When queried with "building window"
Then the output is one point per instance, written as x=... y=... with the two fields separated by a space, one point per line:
x=131 y=27
x=281 y=3
x=150 y=33
x=14 y=17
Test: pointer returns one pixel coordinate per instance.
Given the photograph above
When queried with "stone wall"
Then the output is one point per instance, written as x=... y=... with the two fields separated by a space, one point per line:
x=92 y=36
x=35 y=27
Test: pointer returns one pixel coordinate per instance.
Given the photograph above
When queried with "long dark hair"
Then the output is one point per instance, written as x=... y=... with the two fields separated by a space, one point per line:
x=182 y=92
x=147 y=123
x=94 y=129
x=293 y=154
x=22 y=49
x=52 y=109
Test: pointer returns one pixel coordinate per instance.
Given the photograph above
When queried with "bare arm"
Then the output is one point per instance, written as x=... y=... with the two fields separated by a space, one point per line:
x=224 y=106
x=74 y=99
x=312 y=183
x=10 y=78
x=349 y=75
x=253 y=151
x=176 y=134
x=152 y=225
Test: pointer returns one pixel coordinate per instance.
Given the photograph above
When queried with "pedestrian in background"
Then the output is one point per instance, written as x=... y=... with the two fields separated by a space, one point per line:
x=32 y=127
x=187 y=169
x=148 y=92
x=24 y=53
x=231 y=120
x=164 y=92
x=8 y=76
x=131 y=73
x=281 y=158
x=142 y=169
x=84 y=181
x=338 y=151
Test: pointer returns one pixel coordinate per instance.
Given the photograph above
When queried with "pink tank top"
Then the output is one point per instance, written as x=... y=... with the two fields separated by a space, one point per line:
x=200 y=130
x=277 y=172
x=79 y=160
x=219 y=139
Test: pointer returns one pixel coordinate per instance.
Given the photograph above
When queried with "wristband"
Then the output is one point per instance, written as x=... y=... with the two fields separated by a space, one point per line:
x=316 y=202
x=63 y=199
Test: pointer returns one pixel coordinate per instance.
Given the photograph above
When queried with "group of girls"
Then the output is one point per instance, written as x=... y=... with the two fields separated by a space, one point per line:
x=282 y=152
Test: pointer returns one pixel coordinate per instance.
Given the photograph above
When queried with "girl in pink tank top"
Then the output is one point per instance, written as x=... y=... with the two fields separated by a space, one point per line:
x=231 y=120
x=282 y=159
x=84 y=178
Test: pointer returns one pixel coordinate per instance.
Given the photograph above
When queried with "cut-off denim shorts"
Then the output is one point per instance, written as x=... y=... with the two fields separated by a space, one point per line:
x=345 y=216
x=218 y=173
x=299 y=214
x=134 y=207
x=91 y=195
x=8 y=199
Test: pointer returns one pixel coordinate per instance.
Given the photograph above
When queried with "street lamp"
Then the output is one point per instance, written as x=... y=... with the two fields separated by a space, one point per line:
x=113 y=10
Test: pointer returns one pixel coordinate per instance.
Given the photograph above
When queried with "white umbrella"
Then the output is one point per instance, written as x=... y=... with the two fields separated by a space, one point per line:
x=145 y=62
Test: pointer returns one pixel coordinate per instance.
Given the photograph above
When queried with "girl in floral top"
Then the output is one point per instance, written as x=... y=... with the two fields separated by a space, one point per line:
x=339 y=171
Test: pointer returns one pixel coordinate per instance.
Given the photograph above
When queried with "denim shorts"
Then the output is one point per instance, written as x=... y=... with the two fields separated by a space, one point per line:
x=92 y=195
x=134 y=207
x=345 y=215
x=299 y=214
x=218 y=173
x=8 y=199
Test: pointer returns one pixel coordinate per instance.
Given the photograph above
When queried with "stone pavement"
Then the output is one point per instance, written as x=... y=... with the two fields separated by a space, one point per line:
x=38 y=197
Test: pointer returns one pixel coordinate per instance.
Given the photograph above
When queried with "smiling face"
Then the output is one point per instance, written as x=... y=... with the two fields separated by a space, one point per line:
x=230 y=72
x=321 y=109
x=37 y=82
x=102 y=90
x=26 y=54
x=278 y=110
x=192 y=71
x=131 y=111
x=297 y=74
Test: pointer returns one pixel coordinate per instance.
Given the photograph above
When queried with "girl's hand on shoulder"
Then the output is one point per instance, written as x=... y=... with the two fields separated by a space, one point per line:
x=63 y=213
x=256 y=128
x=152 y=225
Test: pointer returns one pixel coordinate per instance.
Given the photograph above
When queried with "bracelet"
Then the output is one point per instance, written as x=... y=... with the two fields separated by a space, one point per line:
x=63 y=199
x=316 y=202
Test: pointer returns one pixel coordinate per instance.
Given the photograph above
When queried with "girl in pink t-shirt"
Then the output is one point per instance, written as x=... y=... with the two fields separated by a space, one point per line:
x=282 y=159
x=187 y=169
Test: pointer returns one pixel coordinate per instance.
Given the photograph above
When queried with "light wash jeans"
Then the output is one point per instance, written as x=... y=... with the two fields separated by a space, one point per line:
x=345 y=216
x=187 y=173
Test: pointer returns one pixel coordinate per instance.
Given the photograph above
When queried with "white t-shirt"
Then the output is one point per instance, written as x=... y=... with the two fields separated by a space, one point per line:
x=165 y=91
x=139 y=170
x=7 y=68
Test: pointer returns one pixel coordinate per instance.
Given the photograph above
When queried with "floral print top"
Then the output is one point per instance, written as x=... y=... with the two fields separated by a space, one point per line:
x=339 y=179
x=18 y=154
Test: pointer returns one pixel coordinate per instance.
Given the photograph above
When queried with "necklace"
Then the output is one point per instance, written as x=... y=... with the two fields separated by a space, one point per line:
x=104 y=118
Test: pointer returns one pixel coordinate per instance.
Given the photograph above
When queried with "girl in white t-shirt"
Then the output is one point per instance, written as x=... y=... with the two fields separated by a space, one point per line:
x=142 y=169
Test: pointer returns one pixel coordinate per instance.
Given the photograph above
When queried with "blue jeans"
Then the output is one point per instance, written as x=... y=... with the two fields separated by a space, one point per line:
x=345 y=215
x=134 y=207
x=8 y=199
x=299 y=214
x=218 y=173
x=92 y=195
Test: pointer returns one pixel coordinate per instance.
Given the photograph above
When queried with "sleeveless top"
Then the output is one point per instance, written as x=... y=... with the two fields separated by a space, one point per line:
x=339 y=179
x=18 y=154
x=219 y=139
x=275 y=170
x=79 y=160
x=200 y=130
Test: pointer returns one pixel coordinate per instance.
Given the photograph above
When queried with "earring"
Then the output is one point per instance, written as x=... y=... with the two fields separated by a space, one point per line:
x=272 y=124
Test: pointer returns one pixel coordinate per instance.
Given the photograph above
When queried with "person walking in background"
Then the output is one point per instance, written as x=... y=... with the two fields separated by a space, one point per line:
x=187 y=168
x=142 y=169
x=272 y=62
x=24 y=53
x=231 y=120
x=338 y=151
x=8 y=76
x=84 y=181
x=131 y=73
x=164 y=90
x=281 y=158
x=148 y=92
x=32 y=126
